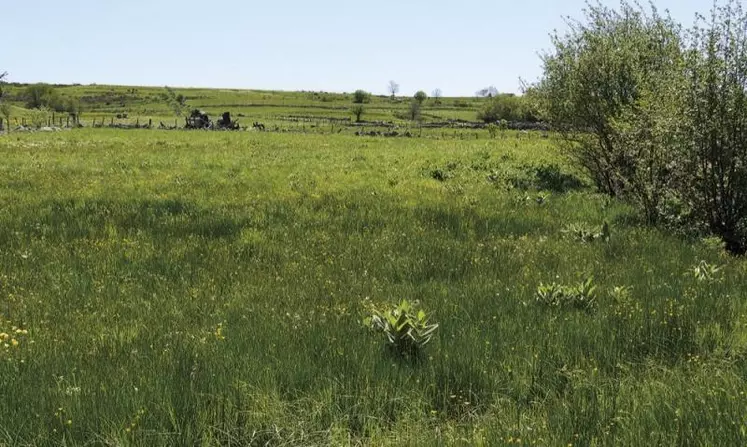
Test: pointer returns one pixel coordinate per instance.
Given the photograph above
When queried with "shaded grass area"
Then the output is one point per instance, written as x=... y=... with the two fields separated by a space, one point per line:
x=210 y=289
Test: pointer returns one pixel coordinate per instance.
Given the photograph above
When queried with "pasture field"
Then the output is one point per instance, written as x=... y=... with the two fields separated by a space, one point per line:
x=273 y=108
x=208 y=288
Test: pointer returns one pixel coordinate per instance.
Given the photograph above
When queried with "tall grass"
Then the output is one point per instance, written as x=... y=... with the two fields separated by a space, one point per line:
x=195 y=288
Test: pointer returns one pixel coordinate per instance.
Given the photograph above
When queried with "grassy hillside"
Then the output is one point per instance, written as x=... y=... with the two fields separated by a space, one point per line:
x=194 y=288
x=270 y=107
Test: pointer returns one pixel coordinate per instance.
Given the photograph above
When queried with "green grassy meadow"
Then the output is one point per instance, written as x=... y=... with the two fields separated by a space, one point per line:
x=208 y=288
x=289 y=111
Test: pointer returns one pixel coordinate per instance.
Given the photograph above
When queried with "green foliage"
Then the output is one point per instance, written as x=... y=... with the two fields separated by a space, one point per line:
x=585 y=234
x=177 y=102
x=406 y=327
x=3 y=76
x=357 y=111
x=552 y=178
x=414 y=111
x=713 y=147
x=71 y=106
x=705 y=272
x=43 y=95
x=213 y=296
x=420 y=97
x=602 y=73
x=39 y=117
x=493 y=130
x=361 y=97
x=655 y=115
x=581 y=296
x=6 y=111
x=507 y=107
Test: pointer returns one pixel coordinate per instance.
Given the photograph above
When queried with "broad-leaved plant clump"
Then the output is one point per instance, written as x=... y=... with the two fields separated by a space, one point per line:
x=406 y=327
x=581 y=296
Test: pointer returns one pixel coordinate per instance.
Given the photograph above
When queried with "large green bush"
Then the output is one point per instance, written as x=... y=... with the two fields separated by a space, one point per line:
x=713 y=180
x=507 y=107
x=656 y=115
x=599 y=88
x=43 y=95
x=361 y=97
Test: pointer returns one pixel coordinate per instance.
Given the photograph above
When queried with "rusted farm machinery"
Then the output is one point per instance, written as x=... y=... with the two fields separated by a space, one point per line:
x=198 y=119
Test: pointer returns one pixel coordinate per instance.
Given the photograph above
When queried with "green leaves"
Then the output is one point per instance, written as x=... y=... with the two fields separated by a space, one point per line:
x=581 y=296
x=406 y=327
x=588 y=235
x=705 y=272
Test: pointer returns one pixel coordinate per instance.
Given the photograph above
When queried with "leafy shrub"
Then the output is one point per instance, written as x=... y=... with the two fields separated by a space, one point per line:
x=414 y=111
x=361 y=97
x=177 y=102
x=406 y=328
x=420 y=97
x=705 y=272
x=655 y=115
x=492 y=130
x=714 y=172
x=6 y=111
x=506 y=107
x=441 y=175
x=608 y=89
x=39 y=117
x=444 y=173
x=43 y=95
x=357 y=111
x=581 y=296
x=587 y=235
x=551 y=178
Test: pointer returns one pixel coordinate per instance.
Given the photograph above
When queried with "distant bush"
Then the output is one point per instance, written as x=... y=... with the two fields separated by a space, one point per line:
x=39 y=117
x=43 y=95
x=357 y=111
x=361 y=97
x=420 y=96
x=414 y=110
x=506 y=107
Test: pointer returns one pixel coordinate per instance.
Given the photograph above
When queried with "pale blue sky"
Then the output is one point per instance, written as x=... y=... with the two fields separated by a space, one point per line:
x=331 y=45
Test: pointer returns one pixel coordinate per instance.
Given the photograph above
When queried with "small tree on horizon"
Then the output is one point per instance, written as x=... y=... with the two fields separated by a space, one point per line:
x=357 y=111
x=393 y=88
x=420 y=97
x=437 y=94
x=487 y=92
x=361 y=97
